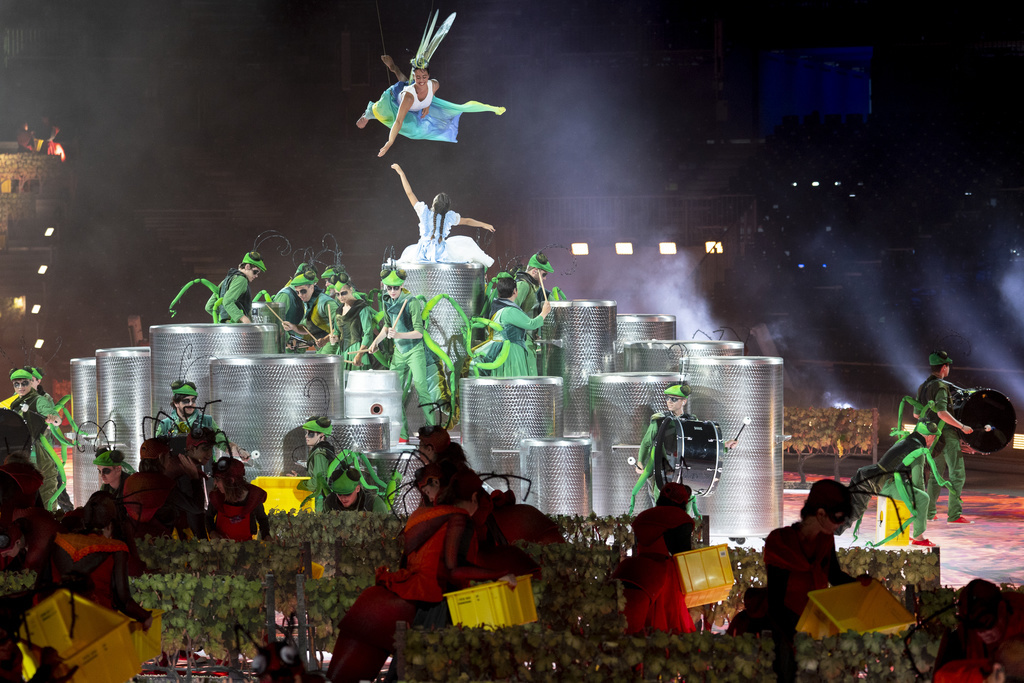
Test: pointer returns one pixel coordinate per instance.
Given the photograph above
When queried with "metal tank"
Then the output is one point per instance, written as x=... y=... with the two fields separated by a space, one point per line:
x=621 y=407
x=363 y=434
x=499 y=412
x=748 y=498
x=463 y=282
x=640 y=327
x=375 y=393
x=560 y=472
x=83 y=410
x=665 y=355
x=123 y=391
x=270 y=313
x=265 y=399
x=577 y=341
x=184 y=352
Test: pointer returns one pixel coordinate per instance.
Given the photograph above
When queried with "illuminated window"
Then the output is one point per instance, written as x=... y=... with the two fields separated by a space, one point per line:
x=19 y=303
x=39 y=343
x=36 y=308
x=1018 y=442
x=42 y=270
x=713 y=247
x=48 y=233
x=580 y=249
x=667 y=247
x=623 y=247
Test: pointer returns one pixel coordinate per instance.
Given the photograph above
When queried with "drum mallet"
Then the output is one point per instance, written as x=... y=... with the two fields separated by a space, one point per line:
x=746 y=421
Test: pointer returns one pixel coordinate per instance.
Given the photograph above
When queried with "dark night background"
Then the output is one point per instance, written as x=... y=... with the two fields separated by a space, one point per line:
x=194 y=125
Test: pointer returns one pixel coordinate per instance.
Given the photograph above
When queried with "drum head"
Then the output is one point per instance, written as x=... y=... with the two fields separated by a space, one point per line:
x=988 y=407
x=14 y=434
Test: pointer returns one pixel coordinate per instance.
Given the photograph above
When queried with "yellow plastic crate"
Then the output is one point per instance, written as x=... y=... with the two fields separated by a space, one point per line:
x=494 y=604
x=853 y=607
x=99 y=645
x=706 y=574
x=282 y=494
x=887 y=521
x=148 y=644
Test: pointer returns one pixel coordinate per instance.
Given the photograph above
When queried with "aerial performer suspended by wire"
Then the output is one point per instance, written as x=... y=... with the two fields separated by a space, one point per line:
x=410 y=107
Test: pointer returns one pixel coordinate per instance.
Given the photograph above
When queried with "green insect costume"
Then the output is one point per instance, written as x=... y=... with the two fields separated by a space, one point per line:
x=410 y=356
x=318 y=463
x=179 y=426
x=343 y=482
x=34 y=408
x=233 y=299
x=354 y=329
x=514 y=327
x=661 y=440
x=948 y=456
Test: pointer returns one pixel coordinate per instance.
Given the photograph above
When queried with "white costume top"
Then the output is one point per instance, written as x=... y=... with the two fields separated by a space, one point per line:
x=418 y=104
x=440 y=248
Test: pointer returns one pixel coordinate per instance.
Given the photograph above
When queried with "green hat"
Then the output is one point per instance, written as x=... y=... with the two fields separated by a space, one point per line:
x=319 y=424
x=394 y=278
x=254 y=258
x=301 y=267
x=36 y=372
x=539 y=260
x=184 y=388
x=681 y=390
x=344 y=482
x=332 y=271
x=305 y=278
x=21 y=373
x=503 y=276
x=109 y=458
x=939 y=358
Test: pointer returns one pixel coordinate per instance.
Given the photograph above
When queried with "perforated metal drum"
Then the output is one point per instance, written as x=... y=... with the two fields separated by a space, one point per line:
x=577 y=341
x=665 y=355
x=748 y=498
x=83 y=394
x=989 y=413
x=375 y=393
x=499 y=412
x=123 y=388
x=363 y=434
x=622 y=404
x=267 y=398
x=631 y=327
x=187 y=349
x=270 y=313
x=559 y=470
x=463 y=282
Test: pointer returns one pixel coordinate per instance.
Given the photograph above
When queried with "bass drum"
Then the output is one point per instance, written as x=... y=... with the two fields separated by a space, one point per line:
x=990 y=414
x=699 y=467
x=14 y=434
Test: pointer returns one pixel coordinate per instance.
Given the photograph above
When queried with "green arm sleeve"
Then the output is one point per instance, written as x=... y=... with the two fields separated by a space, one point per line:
x=415 y=309
x=643 y=456
x=235 y=289
x=516 y=317
x=44 y=406
x=522 y=291
x=284 y=298
x=366 y=320
x=211 y=302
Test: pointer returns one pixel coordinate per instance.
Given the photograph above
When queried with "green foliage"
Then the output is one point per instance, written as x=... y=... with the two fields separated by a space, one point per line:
x=533 y=653
x=829 y=430
x=200 y=612
x=873 y=656
x=897 y=569
x=14 y=582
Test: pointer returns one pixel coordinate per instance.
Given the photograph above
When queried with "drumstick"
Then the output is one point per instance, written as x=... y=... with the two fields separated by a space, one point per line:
x=746 y=421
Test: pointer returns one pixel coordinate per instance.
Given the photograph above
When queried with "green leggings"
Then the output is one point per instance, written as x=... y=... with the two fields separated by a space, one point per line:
x=413 y=370
x=950 y=465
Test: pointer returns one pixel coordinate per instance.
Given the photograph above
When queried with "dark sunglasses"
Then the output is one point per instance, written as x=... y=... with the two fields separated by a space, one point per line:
x=105 y=470
x=190 y=401
x=22 y=383
x=310 y=433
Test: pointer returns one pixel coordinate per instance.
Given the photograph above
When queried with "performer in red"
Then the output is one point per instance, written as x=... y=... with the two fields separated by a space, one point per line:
x=655 y=600
x=96 y=554
x=987 y=617
x=440 y=556
x=25 y=539
x=236 y=507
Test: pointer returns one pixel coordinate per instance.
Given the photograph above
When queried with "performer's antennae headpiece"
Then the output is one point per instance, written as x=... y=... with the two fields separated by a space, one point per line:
x=431 y=40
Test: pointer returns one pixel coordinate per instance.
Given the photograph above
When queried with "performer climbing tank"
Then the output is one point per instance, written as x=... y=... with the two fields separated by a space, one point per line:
x=463 y=283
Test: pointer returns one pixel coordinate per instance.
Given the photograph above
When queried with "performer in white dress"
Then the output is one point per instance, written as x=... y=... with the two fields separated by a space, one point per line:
x=436 y=222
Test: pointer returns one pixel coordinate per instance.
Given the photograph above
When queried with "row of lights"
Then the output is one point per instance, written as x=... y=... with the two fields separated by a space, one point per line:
x=42 y=271
x=626 y=248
